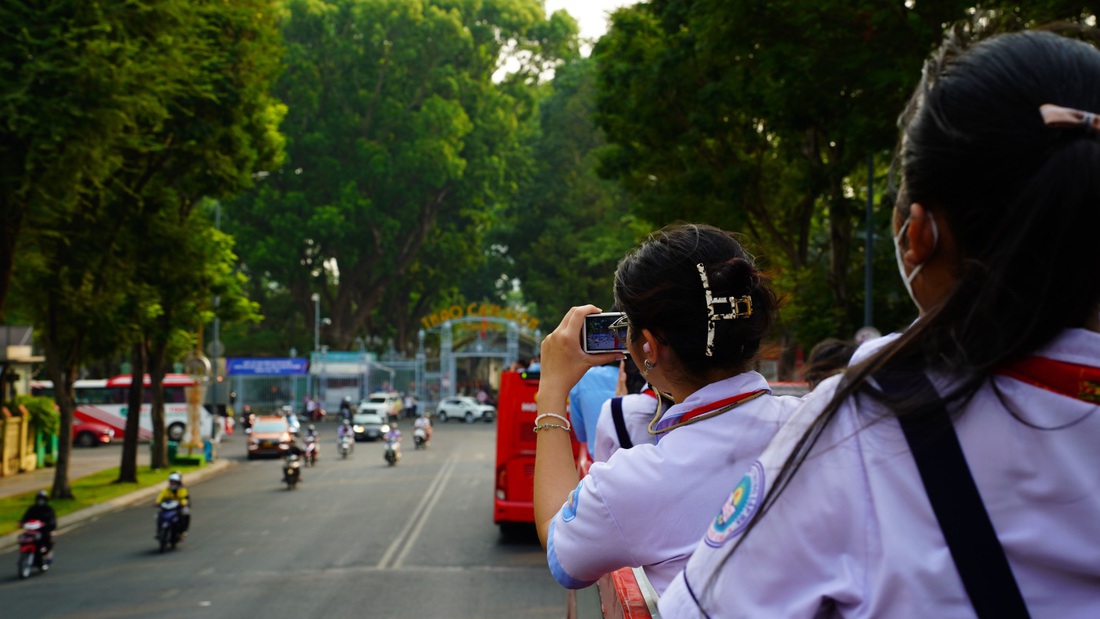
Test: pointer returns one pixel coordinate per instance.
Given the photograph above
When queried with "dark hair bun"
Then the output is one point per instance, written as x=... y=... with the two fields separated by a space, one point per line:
x=735 y=277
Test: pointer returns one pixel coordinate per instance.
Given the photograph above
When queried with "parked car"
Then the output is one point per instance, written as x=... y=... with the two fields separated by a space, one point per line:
x=91 y=434
x=387 y=404
x=269 y=436
x=466 y=408
x=368 y=426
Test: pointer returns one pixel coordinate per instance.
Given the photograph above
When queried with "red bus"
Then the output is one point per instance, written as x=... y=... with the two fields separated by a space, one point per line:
x=513 y=502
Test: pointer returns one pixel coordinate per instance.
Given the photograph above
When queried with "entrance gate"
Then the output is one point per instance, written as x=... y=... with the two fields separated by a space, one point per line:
x=473 y=338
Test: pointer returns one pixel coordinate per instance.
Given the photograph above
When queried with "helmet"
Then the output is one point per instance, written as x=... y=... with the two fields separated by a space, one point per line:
x=311 y=427
x=347 y=398
x=175 y=478
x=347 y=422
x=41 y=498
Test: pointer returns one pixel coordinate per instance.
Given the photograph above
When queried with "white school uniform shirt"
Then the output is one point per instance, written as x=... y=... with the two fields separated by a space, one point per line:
x=638 y=411
x=647 y=506
x=854 y=535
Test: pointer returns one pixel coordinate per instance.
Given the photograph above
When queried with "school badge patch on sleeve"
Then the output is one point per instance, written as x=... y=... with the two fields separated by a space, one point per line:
x=739 y=508
x=569 y=510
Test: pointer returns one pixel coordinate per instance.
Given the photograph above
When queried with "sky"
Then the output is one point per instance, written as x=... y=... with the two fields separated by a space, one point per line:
x=591 y=15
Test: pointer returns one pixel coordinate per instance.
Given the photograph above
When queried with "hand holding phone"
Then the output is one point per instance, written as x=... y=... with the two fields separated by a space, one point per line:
x=603 y=333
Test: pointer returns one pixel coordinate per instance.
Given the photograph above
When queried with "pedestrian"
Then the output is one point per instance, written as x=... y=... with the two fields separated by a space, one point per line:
x=951 y=472
x=696 y=309
x=536 y=364
x=411 y=403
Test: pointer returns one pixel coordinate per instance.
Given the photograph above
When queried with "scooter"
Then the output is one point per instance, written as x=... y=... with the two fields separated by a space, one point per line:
x=311 y=451
x=32 y=551
x=345 y=446
x=420 y=438
x=292 y=471
x=168 y=524
x=393 y=450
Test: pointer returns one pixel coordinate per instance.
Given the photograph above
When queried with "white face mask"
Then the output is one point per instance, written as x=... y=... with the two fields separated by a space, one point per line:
x=908 y=279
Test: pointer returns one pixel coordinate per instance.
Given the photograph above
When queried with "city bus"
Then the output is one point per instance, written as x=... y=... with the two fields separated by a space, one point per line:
x=106 y=401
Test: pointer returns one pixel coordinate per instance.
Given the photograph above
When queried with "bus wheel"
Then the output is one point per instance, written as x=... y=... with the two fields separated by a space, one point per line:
x=175 y=432
x=85 y=439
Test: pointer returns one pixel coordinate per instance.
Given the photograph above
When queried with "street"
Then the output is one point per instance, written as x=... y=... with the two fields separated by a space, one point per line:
x=356 y=539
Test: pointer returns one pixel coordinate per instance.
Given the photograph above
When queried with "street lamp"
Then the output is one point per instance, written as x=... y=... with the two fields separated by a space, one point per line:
x=316 y=298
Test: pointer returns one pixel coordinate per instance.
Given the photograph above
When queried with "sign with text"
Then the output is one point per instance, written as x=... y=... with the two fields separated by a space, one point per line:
x=476 y=310
x=274 y=366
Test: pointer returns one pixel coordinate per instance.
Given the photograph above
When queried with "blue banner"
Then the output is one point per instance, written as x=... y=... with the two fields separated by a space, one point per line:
x=267 y=366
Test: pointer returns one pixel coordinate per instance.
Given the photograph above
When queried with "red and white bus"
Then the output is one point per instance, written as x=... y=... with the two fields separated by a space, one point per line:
x=106 y=401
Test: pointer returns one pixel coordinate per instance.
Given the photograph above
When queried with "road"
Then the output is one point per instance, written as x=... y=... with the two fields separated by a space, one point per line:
x=356 y=539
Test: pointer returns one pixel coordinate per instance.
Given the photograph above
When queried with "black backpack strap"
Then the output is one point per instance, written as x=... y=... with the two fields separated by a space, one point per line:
x=620 y=423
x=977 y=553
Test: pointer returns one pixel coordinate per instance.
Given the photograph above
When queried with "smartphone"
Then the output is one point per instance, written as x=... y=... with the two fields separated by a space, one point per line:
x=604 y=333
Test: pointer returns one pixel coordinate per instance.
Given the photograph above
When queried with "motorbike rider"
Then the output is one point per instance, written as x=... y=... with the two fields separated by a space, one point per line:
x=425 y=422
x=394 y=435
x=292 y=450
x=345 y=429
x=345 y=408
x=42 y=511
x=177 y=491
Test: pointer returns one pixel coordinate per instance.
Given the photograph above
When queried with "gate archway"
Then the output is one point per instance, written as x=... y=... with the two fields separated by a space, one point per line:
x=487 y=344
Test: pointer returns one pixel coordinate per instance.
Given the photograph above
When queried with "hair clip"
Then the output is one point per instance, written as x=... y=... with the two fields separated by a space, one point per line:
x=1062 y=117
x=740 y=307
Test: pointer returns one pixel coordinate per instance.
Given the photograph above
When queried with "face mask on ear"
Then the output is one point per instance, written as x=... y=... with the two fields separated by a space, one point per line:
x=908 y=279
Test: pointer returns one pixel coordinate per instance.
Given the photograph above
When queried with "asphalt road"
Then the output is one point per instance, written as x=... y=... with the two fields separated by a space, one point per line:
x=356 y=539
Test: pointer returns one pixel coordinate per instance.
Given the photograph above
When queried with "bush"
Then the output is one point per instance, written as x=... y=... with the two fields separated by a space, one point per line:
x=43 y=412
x=192 y=460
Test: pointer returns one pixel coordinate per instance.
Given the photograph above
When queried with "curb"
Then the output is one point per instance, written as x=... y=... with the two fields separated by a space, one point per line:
x=119 y=502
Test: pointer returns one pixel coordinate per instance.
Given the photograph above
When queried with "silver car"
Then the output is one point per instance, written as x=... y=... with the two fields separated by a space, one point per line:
x=466 y=408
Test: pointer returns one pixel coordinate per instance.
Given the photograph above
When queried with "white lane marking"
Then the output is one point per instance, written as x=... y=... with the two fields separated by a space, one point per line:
x=238 y=552
x=423 y=517
x=206 y=572
x=403 y=537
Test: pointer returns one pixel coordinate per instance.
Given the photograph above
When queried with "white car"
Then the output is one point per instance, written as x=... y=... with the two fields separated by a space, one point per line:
x=387 y=404
x=467 y=408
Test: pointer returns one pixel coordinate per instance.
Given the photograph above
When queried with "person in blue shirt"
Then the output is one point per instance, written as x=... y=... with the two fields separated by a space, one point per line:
x=587 y=397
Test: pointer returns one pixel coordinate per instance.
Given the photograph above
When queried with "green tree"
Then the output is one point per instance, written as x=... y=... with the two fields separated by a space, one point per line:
x=568 y=228
x=177 y=104
x=761 y=117
x=395 y=128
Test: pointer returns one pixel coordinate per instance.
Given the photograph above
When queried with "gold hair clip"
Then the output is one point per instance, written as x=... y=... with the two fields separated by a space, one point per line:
x=1061 y=117
x=740 y=307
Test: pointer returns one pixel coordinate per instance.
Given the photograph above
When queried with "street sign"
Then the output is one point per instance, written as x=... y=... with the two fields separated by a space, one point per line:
x=266 y=366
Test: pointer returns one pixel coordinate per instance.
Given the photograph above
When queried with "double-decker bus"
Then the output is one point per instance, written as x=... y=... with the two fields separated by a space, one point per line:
x=106 y=401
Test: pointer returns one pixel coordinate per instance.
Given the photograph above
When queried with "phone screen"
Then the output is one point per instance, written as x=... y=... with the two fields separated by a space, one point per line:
x=599 y=336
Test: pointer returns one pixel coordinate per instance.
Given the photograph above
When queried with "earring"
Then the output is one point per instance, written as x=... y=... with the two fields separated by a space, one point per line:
x=648 y=367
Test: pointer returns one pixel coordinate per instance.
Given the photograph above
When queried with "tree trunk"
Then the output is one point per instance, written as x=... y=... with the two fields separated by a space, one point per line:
x=127 y=469
x=156 y=378
x=62 y=377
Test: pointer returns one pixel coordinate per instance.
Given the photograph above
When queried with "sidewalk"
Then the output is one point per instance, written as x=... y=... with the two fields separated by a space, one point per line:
x=87 y=461
x=84 y=461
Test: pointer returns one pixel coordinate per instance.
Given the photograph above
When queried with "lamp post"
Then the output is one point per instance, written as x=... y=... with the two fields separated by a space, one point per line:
x=316 y=298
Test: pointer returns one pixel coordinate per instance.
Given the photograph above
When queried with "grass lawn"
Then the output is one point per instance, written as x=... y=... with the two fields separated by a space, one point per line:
x=90 y=490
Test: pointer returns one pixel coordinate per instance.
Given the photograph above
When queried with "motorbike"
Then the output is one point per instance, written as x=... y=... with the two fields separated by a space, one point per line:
x=32 y=551
x=311 y=451
x=292 y=471
x=168 y=524
x=393 y=450
x=420 y=438
x=345 y=445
